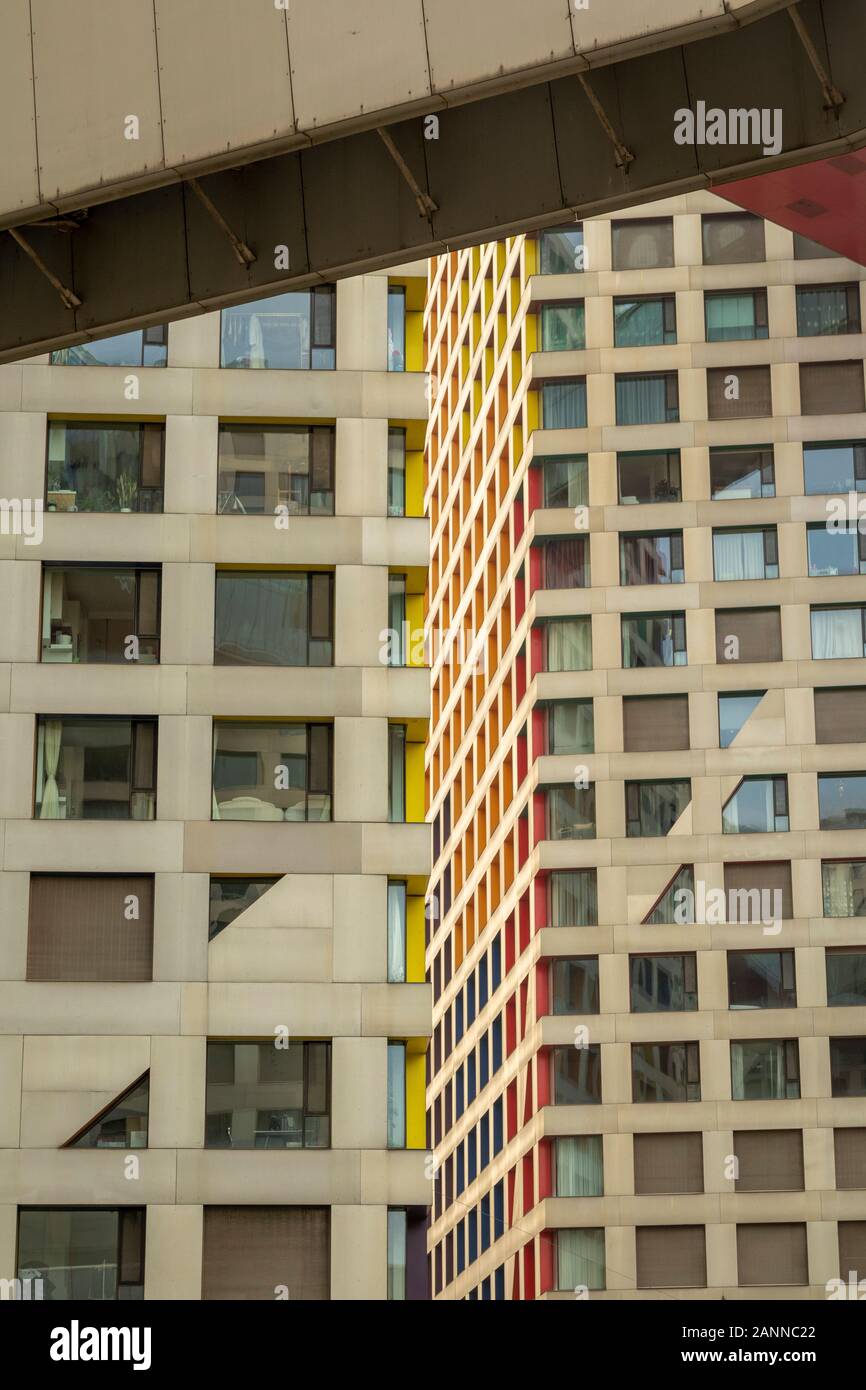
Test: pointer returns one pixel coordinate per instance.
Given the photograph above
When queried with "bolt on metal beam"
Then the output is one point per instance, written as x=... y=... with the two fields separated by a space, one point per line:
x=69 y=297
x=425 y=203
x=242 y=252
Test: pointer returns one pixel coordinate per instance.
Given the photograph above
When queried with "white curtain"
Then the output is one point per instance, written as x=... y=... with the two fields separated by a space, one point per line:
x=573 y=898
x=580 y=1166
x=737 y=1079
x=396 y=932
x=569 y=645
x=838 y=890
x=739 y=555
x=52 y=733
x=836 y=633
x=580 y=1259
x=641 y=400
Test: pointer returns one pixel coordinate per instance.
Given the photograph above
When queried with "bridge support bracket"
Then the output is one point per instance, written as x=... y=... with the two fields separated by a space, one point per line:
x=243 y=254
x=622 y=155
x=425 y=203
x=833 y=98
x=69 y=297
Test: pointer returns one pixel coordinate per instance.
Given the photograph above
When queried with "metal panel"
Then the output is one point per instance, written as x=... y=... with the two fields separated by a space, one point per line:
x=19 y=178
x=495 y=37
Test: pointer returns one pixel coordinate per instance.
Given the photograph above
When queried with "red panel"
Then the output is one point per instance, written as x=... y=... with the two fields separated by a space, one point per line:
x=511 y=1108
x=540 y=890
x=510 y=1030
x=523 y=916
x=509 y=945
x=545 y=1169
x=539 y=741
x=536 y=569
x=542 y=976
x=523 y=840
x=536 y=651
x=543 y=1075
x=546 y=1248
x=528 y=1184
x=529 y=1271
x=536 y=498
x=824 y=200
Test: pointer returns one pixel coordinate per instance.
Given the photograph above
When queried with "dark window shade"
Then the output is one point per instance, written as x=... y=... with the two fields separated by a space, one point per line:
x=852 y=1249
x=250 y=1251
x=671 y=1257
x=79 y=931
x=641 y=243
x=850 y=1158
x=840 y=715
x=772 y=1254
x=830 y=388
x=152 y=445
x=758 y=631
x=754 y=393
x=665 y=1163
x=732 y=238
x=655 y=723
x=757 y=874
x=770 y=1160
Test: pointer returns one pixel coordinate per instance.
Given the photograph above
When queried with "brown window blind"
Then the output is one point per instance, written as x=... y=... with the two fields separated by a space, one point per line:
x=653 y=723
x=80 y=929
x=765 y=877
x=770 y=1160
x=850 y=1157
x=671 y=1257
x=249 y=1252
x=668 y=1163
x=852 y=1249
x=830 y=388
x=644 y=242
x=732 y=238
x=152 y=445
x=840 y=715
x=758 y=632
x=772 y=1253
x=753 y=396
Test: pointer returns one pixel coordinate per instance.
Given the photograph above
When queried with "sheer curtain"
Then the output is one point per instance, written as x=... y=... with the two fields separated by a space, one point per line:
x=737 y=1076
x=569 y=644
x=821 y=311
x=580 y=1259
x=396 y=932
x=838 y=890
x=730 y=316
x=52 y=734
x=564 y=405
x=261 y=619
x=580 y=1166
x=836 y=633
x=640 y=400
x=573 y=898
x=739 y=554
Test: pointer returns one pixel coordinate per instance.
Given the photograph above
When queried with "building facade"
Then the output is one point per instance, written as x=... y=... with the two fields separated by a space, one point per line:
x=213 y=1023
x=647 y=460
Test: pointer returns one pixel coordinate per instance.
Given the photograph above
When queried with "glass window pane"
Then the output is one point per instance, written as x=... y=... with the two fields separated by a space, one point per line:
x=649 y=477
x=842 y=801
x=831 y=468
x=396 y=328
x=837 y=633
x=568 y=644
x=734 y=711
x=575 y=986
x=396 y=1254
x=562 y=327
x=562 y=250
x=397 y=932
x=566 y=481
x=563 y=405
x=662 y=984
x=579 y=1166
x=276 y=332
x=396 y=1095
x=580 y=1259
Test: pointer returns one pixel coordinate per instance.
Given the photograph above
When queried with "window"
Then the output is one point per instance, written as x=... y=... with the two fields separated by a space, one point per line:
x=852 y=1248
x=665 y=1072
x=655 y=723
x=850 y=1147
x=122 y=1125
x=250 y=1251
x=808 y=250
x=95 y=769
x=566 y=480
x=677 y=902
x=229 y=897
x=396 y=1253
x=571 y=813
x=572 y=898
x=761 y=980
x=838 y=551
x=772 y=1253
x=842 y=801
x=270 y=772
x=562 y=326
x=92 y=614
x=396 y=472
x=758 y=891
x=668 y=1164
x=652 y=559
x=769 y=1160
x=831 y=388
x=262 y=1096
x=570 y=727
x=94 y=1254
x=759 y=806
x=396 y=933
x=735 y=710
x=846 y=975
x=644 y=399
x=295 y=331
x=644 y=321
x=140 y=347
x=563 y=404
x=840 y=715
x=653 y=808
x=752 y=554
x=839 y=468
x=848 y=1066
x=561 y=250
x=397 y=773
x=566 y=563
x=732 y=238
x=580 y=1259
x=671 y=1257
x=844 y=887
x=748 y=635
x=90 y=927
x=765 y=1070
x=663 y=984
x=732 y=315
x=263 y=469
x=577 y=1075
x=396 y=328
x=396 y=1095
x=739 y=393
x=649 y=477
x=574 y=985
x=653 y=639
x=273 y=619
x=827 y=309
x=568 y=644
x=838 y=633
x=739 y=473
x=642 y=243
x=104 y=466
x=579 y=1166
x=397 y=647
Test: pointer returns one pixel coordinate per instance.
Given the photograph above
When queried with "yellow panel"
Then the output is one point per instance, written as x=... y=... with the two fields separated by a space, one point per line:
x=531 y=329
x=415 y=622
x=414 y=940
x=414 y=342
x=530 y=251
x=531 y=411
x=414 y=482
x=415 y=782
x=416 y=1127
x=415 y=287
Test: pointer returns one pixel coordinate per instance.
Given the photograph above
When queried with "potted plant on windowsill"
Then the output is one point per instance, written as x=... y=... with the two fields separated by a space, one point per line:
x=127 y=491
x=59 y=497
